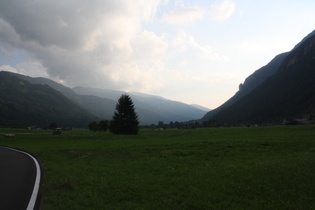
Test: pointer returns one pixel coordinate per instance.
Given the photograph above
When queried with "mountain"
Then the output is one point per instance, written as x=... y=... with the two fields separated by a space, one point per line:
x=101 y=102
x=287 y=92
x=251 y=82
x=25 y=104
x=103 y=108
x=150 y=108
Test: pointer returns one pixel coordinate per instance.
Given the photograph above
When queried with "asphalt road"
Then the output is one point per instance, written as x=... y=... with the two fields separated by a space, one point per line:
x=19 y=179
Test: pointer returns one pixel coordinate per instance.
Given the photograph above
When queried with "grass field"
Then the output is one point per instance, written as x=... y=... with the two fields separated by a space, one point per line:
x=215 y=168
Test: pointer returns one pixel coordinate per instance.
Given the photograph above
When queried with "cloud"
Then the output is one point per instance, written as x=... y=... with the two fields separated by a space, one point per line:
x=148 y=46
x=187 y=43
x=83 y=43
x=222 y=11
x=185 y=15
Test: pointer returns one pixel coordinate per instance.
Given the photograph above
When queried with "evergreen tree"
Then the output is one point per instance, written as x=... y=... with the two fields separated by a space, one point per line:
x=125 y=119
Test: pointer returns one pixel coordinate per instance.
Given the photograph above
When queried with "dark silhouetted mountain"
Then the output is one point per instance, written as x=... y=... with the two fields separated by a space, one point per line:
x=251 y=82
x=25 y=104
x=286 y=91
x=305 y=38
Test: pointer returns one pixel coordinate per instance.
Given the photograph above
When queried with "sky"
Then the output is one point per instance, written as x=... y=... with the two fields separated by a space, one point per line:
x=193 y=51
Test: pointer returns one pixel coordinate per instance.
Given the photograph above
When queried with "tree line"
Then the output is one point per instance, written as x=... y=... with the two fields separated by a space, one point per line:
x=125 y=120
x=184 y=125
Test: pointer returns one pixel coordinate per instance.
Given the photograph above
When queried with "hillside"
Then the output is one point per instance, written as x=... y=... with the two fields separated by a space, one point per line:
x=150 y=108
x=25 y=104
x=101 y=107
x=251 y=82
x=289 y=93
x=101 y=102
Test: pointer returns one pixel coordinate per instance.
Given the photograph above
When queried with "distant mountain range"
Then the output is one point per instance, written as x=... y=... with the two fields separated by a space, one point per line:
x=284 y=89
x=25 y=104
x=150 y=108
x=78 y=106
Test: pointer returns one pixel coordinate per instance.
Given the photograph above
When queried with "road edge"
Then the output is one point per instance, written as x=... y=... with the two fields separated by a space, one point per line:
x=34 y=197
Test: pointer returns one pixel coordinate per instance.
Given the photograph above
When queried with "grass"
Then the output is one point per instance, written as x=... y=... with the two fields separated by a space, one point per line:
x=217 y=168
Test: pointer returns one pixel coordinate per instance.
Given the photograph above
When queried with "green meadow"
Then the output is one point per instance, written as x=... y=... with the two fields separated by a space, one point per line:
x=214 y=168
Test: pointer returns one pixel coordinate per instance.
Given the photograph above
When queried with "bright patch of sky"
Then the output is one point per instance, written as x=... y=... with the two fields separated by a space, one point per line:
x=197 y=52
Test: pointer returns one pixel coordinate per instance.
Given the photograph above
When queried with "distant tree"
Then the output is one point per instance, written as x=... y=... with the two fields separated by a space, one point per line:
x=125 y=119
x=94 y=126
x=103 y=125
x=161 y=125
x=177 y=124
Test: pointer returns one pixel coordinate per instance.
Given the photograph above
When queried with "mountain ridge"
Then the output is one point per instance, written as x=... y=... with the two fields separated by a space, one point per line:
x=25 y=104
x=286 y=94
x=101 y=102
x=150 y=107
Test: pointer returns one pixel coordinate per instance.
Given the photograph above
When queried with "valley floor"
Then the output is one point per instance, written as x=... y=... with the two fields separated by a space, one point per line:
x=214 y=168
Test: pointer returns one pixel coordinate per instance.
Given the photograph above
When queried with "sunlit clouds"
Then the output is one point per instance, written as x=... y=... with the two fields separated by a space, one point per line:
x=184 y=15
x=223 y=10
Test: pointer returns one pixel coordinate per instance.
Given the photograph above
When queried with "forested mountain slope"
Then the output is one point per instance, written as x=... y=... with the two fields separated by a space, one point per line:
x=24 y=104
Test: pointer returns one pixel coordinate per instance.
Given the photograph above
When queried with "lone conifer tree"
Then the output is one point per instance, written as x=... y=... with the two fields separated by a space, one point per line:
x=125 y=119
